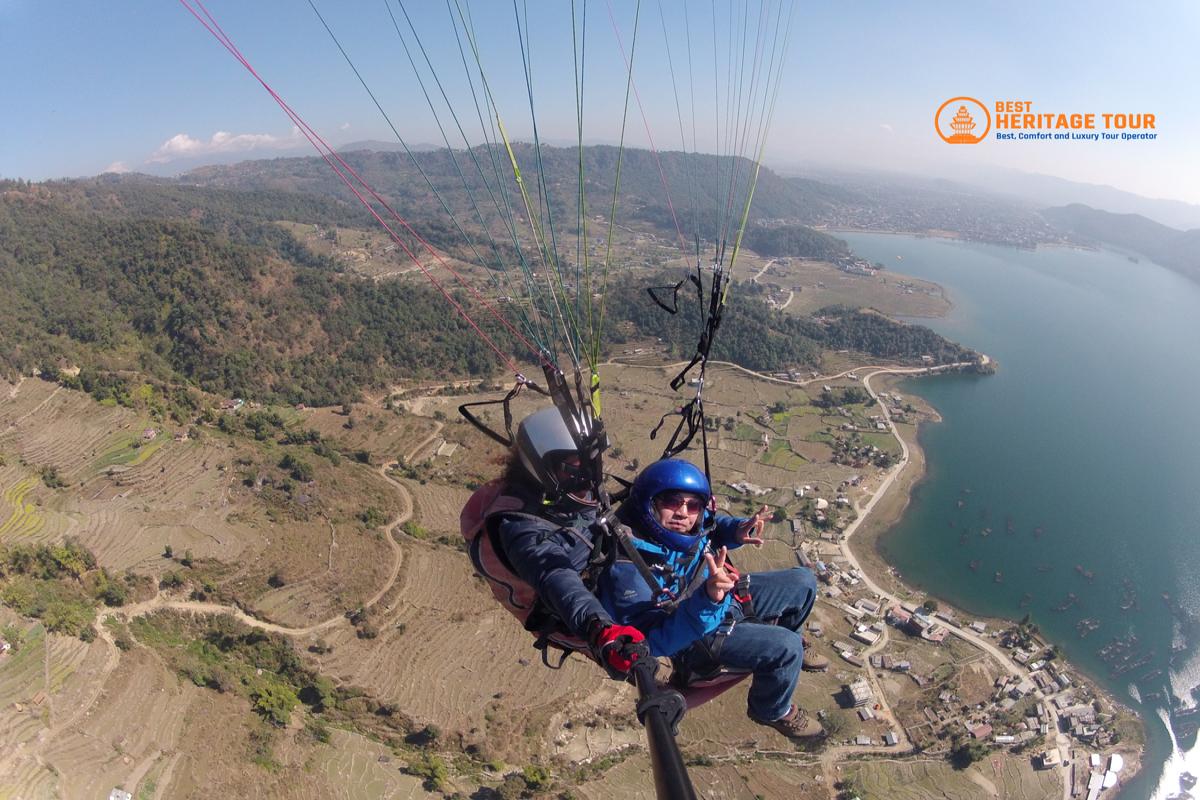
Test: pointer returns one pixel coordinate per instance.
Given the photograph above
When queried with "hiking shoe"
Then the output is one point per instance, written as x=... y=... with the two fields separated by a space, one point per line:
x=795 y=724
x=813 y=662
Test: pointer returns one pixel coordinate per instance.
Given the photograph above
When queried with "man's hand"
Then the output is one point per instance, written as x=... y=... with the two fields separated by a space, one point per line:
x=611 y=644
x=720 y=582
x=750 y=531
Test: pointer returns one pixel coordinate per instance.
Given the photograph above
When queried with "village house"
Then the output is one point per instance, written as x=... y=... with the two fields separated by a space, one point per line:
x=858 y=693
x=981 y=732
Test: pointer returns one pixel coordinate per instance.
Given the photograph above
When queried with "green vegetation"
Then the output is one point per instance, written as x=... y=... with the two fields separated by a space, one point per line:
x=795 y=240
x=14 y=635
x=274 y=701
x=155 y=289
x=229 y=303
x=884 y=441
x=59 y=584
x=414 y=530
x=372 y=517
x=966 y=752
x=300 y=469
x=432 y=769
x=821 y=437
x=62 y=606
x=759 y=338
x=845 y=396
x=779 y=454
x=51 y=478
x=745 y=432
x=221 y=653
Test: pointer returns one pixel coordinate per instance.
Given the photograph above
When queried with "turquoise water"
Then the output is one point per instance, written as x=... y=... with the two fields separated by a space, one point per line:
x=1081 y=455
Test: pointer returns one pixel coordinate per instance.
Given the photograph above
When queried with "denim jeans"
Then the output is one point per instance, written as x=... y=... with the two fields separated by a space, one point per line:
x=769 y=645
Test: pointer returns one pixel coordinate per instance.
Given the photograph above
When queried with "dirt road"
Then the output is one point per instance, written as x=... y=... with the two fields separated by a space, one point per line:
x=160 y=601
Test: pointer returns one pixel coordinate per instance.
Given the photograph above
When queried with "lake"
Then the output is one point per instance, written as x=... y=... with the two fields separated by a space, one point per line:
x=1067 y=485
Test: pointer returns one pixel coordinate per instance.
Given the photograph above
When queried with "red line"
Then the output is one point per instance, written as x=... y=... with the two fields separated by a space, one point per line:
x=297 y=118
x=325 y=151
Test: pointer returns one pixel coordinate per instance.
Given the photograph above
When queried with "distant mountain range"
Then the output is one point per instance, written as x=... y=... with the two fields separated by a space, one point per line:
x=1047 y=190
x=1029 y=190
x=1177 y=250
x=999 y=206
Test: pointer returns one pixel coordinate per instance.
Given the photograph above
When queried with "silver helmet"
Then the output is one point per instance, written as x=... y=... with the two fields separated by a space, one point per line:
x=545 y=448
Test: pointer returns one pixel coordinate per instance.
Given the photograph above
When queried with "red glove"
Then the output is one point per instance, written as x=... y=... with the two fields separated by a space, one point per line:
x=610 y=643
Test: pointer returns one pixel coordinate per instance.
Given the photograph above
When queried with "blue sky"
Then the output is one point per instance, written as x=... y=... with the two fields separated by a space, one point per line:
x=139 y=85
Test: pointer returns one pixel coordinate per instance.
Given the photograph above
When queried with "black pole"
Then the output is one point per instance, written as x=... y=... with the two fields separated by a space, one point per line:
x=660 y=710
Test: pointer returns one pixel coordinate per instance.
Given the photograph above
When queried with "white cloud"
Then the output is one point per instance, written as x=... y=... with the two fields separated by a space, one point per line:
x=181 y=145
x=119 y=167
x=887 y=127
x=345 y=126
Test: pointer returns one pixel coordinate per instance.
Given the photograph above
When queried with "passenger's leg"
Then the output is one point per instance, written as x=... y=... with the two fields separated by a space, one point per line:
x=786 y=598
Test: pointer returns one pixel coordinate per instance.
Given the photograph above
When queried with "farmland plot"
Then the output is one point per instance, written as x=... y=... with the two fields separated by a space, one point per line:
x=100 y=750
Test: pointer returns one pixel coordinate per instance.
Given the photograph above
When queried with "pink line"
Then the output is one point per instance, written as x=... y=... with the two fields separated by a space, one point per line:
x=325 y=151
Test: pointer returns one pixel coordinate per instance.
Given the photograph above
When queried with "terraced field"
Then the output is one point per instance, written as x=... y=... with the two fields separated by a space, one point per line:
x=445 y=653
x=438 y=505
x=102 y=748
x=20 y=399
x=385 y=434
x=22 y=675
x=997 y=777
x=22 y=519
x=350 y=768
x=70 y=431
x=124 y=502
x=344 y=570
x=457 y=651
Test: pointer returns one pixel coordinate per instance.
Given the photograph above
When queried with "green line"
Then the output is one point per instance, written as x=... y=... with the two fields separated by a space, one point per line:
x=612 y=216
x=539 y=239
x=540 y=336
x=582 y=265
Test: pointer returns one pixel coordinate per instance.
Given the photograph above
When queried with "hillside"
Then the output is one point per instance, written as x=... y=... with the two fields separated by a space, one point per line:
x=204 y=292
x=698 y=189
x=1174 y=249
x=141 y=279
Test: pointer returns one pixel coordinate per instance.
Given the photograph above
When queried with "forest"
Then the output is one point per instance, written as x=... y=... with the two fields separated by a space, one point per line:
x=141 y=280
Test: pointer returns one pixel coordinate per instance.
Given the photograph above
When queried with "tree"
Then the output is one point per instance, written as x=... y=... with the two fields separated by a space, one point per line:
x=274 y=701
x=854 y=395
x=849 y=787
x=966 y=752
x=113 y=592
x=930 y=605
x=168 y=552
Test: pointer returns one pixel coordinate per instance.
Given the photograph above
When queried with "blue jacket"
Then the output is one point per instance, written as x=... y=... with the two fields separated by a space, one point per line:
x=630 y=601
x=549 y=552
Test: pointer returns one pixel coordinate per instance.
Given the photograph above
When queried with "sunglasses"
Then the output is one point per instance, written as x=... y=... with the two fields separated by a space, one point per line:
x=673 y=502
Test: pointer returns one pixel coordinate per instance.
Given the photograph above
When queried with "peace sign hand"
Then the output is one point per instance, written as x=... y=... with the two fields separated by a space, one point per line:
x=720 y=582
x=750 y=531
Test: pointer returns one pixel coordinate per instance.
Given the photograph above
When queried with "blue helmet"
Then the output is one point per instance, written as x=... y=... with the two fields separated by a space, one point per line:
x=668 y=475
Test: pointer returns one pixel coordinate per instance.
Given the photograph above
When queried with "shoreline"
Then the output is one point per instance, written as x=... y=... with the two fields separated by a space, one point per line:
x=862 y=544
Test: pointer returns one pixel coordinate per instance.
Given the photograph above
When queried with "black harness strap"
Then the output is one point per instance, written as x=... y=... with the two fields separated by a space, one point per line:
x=506 y=403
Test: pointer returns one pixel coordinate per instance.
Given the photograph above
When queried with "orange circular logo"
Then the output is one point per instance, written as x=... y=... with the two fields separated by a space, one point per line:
x=957 y=121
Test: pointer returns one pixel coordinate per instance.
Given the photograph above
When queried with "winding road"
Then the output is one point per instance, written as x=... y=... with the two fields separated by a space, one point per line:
x=160 y=601
x=968 y=636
